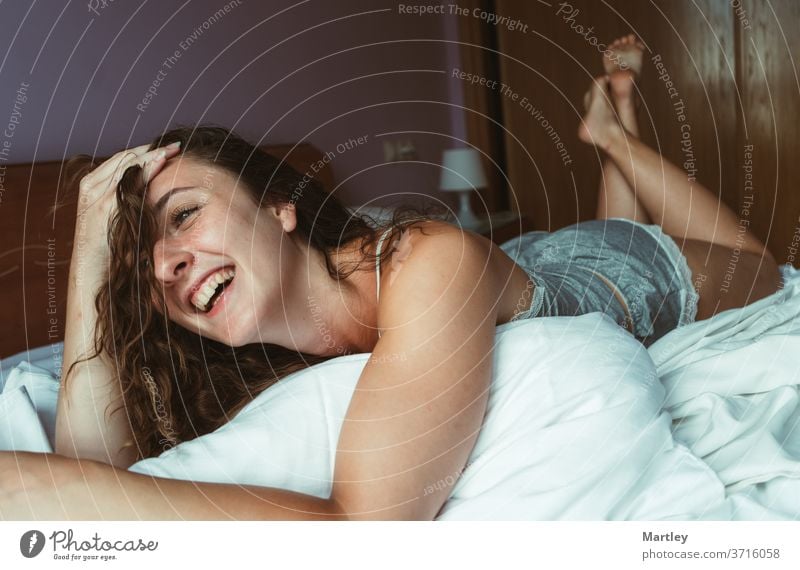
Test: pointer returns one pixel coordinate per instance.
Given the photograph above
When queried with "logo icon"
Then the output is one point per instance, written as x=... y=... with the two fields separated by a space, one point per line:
x=31 y=543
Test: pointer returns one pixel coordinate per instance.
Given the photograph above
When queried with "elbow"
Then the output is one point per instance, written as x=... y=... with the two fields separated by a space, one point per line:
x=340 y=510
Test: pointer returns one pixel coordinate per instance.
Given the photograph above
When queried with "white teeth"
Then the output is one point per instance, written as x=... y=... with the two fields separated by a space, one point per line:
x=207 y=290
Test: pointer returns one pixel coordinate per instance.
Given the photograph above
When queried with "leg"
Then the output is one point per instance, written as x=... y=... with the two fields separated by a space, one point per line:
x=623 y=63
x=726 y=278
x=731 y=267
x=693 y=211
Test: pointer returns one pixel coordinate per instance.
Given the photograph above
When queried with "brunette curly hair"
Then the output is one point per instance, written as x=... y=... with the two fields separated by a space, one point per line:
x=175 y=384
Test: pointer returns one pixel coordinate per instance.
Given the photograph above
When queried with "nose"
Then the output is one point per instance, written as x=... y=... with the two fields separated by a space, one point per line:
x=172 y=262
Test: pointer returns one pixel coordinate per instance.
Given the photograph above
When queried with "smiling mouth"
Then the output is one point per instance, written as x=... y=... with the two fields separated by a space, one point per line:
x=209 y=293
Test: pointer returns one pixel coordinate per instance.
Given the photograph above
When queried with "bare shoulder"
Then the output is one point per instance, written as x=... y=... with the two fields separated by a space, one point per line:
x=435 y=254
x=432 y=235
x=435 y=228
x=434 y=263
x=422 y=247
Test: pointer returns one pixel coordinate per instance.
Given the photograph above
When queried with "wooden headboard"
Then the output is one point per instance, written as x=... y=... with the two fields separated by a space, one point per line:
x=36 y=246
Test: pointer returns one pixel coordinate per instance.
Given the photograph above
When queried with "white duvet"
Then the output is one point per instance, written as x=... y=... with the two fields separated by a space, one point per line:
x=583 y=422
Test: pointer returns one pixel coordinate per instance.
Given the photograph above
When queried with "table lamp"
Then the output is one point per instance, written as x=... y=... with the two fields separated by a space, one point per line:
x=462 y=172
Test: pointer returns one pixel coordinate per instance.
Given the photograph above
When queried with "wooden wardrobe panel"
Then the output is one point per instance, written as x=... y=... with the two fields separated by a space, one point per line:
x=692 y=122
x=544 y=74
x=770 y=89
x=552 y=64
x=480 y=105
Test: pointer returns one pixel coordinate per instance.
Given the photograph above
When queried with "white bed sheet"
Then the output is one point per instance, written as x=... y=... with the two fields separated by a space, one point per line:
x=578 y=425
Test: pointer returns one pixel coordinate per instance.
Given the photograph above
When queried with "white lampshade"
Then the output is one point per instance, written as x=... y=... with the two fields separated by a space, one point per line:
x=462 y=170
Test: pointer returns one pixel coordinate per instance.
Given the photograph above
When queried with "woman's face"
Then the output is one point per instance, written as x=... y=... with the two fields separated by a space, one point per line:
x=217 y=254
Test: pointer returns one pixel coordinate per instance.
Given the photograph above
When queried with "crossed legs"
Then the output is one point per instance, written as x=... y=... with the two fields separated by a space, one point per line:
x=731 y=267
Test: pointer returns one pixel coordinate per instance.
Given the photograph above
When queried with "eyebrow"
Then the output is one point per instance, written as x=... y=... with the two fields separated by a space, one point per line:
x=163 y=200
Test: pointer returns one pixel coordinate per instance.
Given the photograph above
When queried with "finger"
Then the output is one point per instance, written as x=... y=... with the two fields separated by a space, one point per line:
x=153 y=162
x=108 y=167
x=117 y=164
x=154 y=166
x=161 y=154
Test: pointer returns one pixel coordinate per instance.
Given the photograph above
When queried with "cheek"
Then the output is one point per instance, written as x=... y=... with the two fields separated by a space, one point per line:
x=229 y=232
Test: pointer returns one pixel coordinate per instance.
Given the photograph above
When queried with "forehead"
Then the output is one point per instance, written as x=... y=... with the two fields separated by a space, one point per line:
x=182 y=172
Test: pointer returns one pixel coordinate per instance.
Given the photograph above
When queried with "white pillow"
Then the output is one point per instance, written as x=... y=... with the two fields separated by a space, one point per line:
x=574 y=429
x=28 y=397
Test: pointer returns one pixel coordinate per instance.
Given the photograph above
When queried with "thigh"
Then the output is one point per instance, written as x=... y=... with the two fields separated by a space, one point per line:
x=725 y=278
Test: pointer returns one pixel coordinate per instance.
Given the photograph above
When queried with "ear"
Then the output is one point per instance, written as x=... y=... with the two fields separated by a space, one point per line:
x=288 y=216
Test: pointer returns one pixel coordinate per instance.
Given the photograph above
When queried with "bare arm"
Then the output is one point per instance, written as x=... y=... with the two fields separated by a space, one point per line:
x=84 y=428
x=421 y=398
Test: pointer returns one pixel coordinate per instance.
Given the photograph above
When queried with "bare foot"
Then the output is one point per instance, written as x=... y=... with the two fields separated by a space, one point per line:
x=599 y=125
x=624 y=54
x=622 y=85
x=623 y=63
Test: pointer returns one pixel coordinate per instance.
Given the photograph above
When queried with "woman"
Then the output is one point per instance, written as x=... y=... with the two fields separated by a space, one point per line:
x=222 y=263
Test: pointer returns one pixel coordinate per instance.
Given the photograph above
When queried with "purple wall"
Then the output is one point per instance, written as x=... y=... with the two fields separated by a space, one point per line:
x=247 y=70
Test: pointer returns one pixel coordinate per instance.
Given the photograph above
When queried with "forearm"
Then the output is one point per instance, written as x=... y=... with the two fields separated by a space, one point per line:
x=83 y=426
x=50 y=487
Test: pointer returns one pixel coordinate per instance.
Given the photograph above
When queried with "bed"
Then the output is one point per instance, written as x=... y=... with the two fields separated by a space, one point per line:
x=583 y=422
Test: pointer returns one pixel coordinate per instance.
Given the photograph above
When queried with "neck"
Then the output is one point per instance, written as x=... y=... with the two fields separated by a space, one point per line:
x=330 y=317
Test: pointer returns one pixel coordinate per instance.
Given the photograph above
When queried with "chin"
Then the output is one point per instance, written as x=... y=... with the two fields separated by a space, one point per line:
x=237 y=335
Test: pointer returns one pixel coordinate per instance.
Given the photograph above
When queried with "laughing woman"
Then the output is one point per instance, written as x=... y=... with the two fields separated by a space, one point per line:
x=200 y=275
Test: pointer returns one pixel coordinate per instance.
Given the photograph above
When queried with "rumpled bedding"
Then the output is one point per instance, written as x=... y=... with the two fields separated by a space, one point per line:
x=583 y=423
